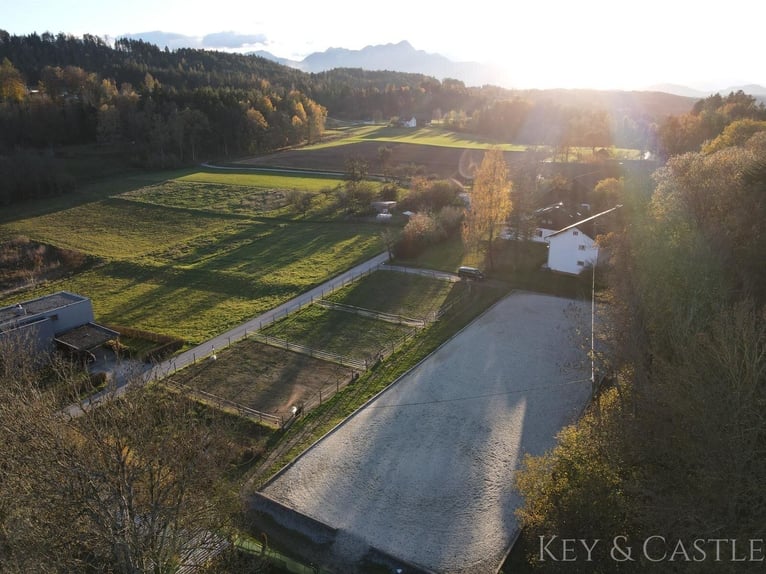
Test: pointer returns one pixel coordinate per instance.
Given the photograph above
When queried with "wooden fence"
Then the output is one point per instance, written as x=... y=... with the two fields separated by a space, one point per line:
x=387 y=317
x=226 y=404
x=303 y=349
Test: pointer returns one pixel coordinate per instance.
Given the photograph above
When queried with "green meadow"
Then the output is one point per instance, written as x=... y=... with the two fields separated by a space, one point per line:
x=339 y=332
x=194 y=253
x=424 y=136
x=405 y=294
x=437 y=136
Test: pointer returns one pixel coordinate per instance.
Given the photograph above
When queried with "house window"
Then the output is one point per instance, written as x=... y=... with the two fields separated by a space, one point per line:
x=575 y=233
x=581 y=247
x=581 y=263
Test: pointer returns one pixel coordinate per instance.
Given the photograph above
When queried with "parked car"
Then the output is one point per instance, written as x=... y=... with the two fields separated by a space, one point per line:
x=470 y=273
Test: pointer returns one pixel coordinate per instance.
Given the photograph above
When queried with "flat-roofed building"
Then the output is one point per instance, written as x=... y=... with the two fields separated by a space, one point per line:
x=51 y=319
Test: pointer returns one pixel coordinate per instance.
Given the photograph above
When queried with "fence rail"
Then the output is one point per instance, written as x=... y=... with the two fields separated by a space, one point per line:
x=226 y=403
x=311 y=352
x=387 y=317
x=444 y=309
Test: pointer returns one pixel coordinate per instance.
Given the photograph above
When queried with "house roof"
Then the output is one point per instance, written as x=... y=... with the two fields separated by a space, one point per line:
x=87 y=337
x=584 y=221
x=11 y=313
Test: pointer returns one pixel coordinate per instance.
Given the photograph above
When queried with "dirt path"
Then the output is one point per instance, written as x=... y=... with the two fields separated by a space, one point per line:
x=424 y=473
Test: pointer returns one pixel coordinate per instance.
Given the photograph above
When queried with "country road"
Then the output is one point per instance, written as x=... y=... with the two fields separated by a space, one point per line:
x=208 y=348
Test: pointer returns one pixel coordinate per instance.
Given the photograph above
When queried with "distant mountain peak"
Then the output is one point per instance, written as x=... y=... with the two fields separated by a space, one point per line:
x=398 y=57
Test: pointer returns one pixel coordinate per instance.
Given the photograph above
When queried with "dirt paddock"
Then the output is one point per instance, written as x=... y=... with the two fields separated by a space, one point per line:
x=265 y=378
x=424 y=472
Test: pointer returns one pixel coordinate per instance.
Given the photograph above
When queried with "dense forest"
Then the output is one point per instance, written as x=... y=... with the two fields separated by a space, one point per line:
x=162 y=108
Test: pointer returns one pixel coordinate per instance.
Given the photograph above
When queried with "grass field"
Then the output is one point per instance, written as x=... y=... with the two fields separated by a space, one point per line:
x=183 y=257
x=338 y=332
x=405 y=294
x=422 y=136
x=436 y=136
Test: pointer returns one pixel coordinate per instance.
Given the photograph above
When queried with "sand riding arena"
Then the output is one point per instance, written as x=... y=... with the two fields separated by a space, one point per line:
x=421 y=478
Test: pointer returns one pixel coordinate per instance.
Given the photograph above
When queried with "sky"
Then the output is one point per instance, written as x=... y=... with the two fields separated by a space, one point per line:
x=600 y=44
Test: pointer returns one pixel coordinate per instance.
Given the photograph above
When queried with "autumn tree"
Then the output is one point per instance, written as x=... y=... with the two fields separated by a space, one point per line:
x=606 y=194
x=132 y=485
x=12 y=86
x=673 y=446
x=490 y=203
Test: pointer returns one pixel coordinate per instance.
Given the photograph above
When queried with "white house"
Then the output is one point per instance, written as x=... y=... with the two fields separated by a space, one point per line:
x=571 y=250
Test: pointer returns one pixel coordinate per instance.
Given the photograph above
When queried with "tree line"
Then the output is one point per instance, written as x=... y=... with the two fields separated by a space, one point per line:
x=63 y=91
x=61 y=64
x=669 y=455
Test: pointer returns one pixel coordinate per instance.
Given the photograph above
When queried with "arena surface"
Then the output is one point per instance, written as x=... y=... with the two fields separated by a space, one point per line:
x=424 y=472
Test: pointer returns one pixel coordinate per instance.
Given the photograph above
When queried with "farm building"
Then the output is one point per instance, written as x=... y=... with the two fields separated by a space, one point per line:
x=573 y=248
x=64 y=319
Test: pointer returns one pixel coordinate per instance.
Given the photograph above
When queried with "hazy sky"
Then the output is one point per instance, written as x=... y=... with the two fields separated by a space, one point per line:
x=542 y=43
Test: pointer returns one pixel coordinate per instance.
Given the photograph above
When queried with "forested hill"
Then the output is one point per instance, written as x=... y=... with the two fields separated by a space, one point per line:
x=130 y=60
x=162 y=108
x=346 y=93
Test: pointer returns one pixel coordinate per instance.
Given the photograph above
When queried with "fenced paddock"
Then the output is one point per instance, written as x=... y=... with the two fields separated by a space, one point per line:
x=424 y=472
x=260 y=380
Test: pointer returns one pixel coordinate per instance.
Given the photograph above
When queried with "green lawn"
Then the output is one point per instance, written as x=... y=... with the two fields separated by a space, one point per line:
x=424 y=136
x=116 y=228
x=406 y=294
x=176 y=258
x=338 y=332
x=261 y=180
x=446 y=256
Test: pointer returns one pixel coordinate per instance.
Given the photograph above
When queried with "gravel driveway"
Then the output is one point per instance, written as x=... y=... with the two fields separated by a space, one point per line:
x=424 y=472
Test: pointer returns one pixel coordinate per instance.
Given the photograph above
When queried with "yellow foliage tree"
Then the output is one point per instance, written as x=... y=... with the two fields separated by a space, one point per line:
x=12 y=85
x=490 y=203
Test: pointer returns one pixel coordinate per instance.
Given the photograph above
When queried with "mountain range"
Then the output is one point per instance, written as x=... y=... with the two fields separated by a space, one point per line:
x=402 y=57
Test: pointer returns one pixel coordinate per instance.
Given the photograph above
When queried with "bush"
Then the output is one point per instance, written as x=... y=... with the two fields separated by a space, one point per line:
x=430 y=196
x=421 y=231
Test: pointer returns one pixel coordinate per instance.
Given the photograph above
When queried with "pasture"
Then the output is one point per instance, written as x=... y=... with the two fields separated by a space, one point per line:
x=405 y=294
x=264 y=378
x=196 y=253
x=431 y=136
x=272 y=380
x=427 y=150
x=339 y=332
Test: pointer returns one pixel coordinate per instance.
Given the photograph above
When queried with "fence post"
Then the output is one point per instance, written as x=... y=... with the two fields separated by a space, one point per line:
x=320 y=396
x=194 y=356
x=229 y=341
